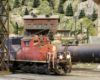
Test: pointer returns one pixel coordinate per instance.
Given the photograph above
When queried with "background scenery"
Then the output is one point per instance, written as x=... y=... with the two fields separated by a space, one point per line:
x=81 y=11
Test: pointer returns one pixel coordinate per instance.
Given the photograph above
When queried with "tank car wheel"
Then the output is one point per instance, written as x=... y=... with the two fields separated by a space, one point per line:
x=34 y=68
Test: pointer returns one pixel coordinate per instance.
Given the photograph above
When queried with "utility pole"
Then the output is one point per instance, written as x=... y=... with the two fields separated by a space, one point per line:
x=75 y=17
x=81 y=27
x=4 y=34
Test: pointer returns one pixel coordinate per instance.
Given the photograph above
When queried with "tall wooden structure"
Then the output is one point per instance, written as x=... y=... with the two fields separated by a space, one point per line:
x=98 y=3
x=4 y=34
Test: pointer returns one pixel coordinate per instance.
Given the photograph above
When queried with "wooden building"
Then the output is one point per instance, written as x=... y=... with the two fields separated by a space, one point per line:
x=63 y=33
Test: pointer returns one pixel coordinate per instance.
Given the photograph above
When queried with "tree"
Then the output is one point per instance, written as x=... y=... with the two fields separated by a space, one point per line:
x=94 y=15
x=9 y=8
x=84 y=0
x=50 y=35
x=23 y=1
x=82 y=14
x=26 y=12
x=36 y=3
x=16 y=4
x=63 y=1
x=60 y=8
x=51 y=3
x=69 y=10
x=16 y=29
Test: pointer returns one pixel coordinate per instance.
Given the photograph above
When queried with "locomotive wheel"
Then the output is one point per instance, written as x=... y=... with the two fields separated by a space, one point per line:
x=23 y=69
x=28 y=69
x=41 y=69
x=47 y=71
x=34 y=68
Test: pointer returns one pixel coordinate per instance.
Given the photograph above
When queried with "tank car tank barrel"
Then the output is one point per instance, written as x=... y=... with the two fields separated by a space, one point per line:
x=85 y=53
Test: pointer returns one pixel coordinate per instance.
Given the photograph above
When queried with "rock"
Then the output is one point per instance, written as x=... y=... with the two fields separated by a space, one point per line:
x=88 y=6
x=98 y=67
x=56 y=42
x=13 y=35
x=58 y=35
x=80 y=36
x=18 y=19
x=34 y=11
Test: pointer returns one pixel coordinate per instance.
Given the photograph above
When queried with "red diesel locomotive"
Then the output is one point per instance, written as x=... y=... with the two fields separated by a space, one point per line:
x=38 y=56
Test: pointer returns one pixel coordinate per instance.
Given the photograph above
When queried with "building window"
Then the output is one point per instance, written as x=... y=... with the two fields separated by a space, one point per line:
x=26 y=43
x=45 y=26
x=29 y=26
x=35 y=26
x=28 y=33
x=52 y=26
x=40 y=26
x=48 y=20
x=32 y=20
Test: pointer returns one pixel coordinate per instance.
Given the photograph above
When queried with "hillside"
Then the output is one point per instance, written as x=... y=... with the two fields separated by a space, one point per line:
x=16 y=14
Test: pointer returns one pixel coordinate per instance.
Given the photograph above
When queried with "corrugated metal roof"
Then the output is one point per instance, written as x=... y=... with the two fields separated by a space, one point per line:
x=94 y=39
x=41 y=17
x=27 y=38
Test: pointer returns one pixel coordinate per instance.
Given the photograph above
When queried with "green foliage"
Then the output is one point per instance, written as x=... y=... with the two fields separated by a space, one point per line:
x=69 y=10
x=36 y=3
x=9 y=8
x=50 y=35
x=20 y=28
x=82 y=14
x=85 y=37
x=73 y=32
x=94 y=16
x=86 y=23
x=63 y=1
x=16 y=29
x=23 y=2
x=26 y=12
x=84 y=0
x=16 y=4
x=60 y=8
x=51 y=3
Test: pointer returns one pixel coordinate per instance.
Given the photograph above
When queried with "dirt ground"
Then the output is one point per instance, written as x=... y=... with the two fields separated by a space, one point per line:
x=80 y=72
x=74 y=75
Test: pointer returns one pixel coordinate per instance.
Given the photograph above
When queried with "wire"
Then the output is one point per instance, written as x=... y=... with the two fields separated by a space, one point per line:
x=53 y=26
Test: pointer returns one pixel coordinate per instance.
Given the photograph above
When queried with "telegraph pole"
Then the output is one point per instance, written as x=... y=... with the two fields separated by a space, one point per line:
x=4 y=34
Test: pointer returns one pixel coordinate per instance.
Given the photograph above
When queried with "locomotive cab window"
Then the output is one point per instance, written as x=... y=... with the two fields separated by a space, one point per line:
x=26 y=43
x=35 y=42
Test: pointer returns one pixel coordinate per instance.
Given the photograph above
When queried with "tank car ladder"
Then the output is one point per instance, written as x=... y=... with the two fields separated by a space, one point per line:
x=51 y=62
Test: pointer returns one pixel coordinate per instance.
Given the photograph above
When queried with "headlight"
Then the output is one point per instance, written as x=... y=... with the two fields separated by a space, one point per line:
x=68 y=56
x=60 y=56
x=54 y=48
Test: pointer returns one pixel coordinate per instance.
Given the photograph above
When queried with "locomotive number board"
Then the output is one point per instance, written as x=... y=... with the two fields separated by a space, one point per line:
x=41 y=38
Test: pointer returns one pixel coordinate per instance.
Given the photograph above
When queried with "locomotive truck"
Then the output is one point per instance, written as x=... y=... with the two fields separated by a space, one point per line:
x=35 y=54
